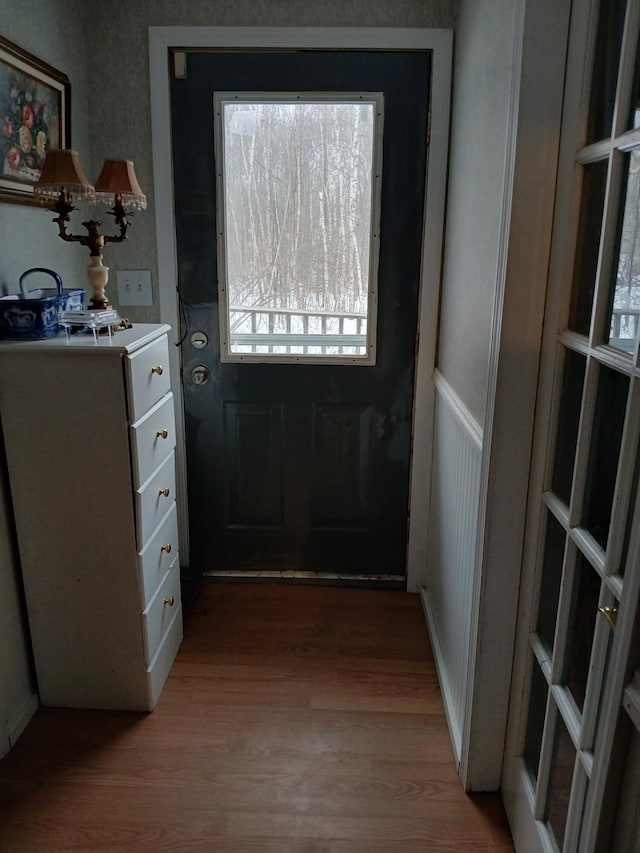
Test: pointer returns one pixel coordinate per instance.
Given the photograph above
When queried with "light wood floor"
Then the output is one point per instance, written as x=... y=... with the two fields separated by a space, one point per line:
x=295 y=718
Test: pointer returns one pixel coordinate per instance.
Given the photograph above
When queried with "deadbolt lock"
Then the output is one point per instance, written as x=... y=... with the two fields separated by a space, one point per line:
x=199 y=340
x=200 y=374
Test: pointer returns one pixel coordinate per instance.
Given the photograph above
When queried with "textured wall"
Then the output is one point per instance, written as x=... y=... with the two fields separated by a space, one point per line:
x=482 y=74
x=120 y=123
x=53 y=32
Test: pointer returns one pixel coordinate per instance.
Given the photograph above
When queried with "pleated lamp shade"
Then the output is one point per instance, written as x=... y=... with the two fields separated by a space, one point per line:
x=63 y=171
x=118 y=177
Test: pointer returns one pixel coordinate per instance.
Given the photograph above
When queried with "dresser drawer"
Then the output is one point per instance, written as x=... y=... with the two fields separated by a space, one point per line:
x=160 y=611
x=147 y=377
x=154 y=498
x=158 y=555
x=153 y=438
x=158 y=671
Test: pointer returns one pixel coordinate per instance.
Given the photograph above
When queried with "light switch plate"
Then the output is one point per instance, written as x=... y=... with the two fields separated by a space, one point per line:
x=134 y=287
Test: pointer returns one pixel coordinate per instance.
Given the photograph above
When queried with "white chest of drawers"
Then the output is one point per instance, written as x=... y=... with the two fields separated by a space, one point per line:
x=89 y=436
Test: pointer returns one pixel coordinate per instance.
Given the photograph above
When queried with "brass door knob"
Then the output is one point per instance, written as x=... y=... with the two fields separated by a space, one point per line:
x=170 y=601
x=162 y=433
x=164 y=492
x=159 y=369
x=166 y=548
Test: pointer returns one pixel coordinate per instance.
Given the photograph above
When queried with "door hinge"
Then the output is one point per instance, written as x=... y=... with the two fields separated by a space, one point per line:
x=180 y=65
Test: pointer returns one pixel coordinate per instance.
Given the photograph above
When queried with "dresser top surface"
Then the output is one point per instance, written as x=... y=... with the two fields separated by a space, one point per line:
x=124 y=341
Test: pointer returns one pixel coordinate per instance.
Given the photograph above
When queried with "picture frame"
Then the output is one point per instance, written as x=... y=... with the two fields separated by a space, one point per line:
x=35 y=115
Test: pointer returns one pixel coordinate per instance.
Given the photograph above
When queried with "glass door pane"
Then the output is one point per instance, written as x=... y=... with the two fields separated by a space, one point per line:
x=562 y=768
x=625 y=304
x=605 y=68
x=299 y=185
x=551 y=578
x=568 y=421
x=608 y=422
x=634 y=117
x=594 y=183
x=535 y=719
x=582 y=620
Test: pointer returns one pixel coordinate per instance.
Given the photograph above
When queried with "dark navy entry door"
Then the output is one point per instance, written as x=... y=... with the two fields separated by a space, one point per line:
x=300 y=467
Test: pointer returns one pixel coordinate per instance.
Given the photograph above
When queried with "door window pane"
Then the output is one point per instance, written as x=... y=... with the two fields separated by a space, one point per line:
x=624 y=312
x=629 y=524
x=594 y=179
x=605 y=69
x=634 y=118
x=602 y=676
x=582 y=621
x=611 y=404
x=562 y=763
x=299 y=183
x=619 y=830
x=568 y=420
x=551 y=577
x=535 y=720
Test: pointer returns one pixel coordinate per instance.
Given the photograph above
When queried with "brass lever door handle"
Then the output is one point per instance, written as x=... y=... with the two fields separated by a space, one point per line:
x=611 y=615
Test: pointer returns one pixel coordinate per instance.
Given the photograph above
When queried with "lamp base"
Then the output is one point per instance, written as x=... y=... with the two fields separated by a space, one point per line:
x=98 y=276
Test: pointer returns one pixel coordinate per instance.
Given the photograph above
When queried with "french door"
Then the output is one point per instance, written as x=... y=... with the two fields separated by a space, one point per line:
x=572 y=768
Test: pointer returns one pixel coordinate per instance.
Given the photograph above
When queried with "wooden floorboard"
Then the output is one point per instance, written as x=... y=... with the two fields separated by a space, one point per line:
x=295 y=718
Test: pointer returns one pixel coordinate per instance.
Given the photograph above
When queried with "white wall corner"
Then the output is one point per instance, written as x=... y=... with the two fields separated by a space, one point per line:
x=14 y=720
x=21 y=717
x=452 y=535
x=540 y=43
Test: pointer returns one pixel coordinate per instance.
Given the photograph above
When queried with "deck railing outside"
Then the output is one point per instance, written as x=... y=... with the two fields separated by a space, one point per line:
x=624 y=322
x=624 y=328
x=291 y=330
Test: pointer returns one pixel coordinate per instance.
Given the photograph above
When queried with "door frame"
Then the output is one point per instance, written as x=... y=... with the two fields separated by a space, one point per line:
x=440 y=43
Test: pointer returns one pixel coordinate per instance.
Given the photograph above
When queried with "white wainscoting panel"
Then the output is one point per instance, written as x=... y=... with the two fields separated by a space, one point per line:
x=447 y=588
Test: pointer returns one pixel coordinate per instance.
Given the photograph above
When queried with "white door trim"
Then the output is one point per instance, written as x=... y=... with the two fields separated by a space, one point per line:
x=440 y=43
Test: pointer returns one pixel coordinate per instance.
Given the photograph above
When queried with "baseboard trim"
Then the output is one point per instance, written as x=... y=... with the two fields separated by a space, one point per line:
x=21 y=718
x=455 y=732
x=311 y=578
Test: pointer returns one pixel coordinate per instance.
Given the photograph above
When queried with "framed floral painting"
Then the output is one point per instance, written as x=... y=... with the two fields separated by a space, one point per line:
x=35 y=115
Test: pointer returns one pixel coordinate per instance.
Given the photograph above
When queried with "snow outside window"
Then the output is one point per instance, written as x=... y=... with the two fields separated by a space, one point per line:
x=298 y=193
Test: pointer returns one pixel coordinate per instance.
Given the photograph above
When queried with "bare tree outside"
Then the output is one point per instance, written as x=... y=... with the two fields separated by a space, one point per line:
x=297 y=183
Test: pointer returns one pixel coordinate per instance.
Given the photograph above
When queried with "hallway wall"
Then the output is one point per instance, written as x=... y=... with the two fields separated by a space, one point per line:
x=53 y=33
x=507 y=115
x=121 y=119
x=103 y=48
x=483 y=78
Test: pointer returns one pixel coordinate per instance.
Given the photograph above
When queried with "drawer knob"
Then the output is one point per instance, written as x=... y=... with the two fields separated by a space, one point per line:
x=166 y=548
x=170 y=601
x=159 y=369
x=164 y=492
x=162 y=433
